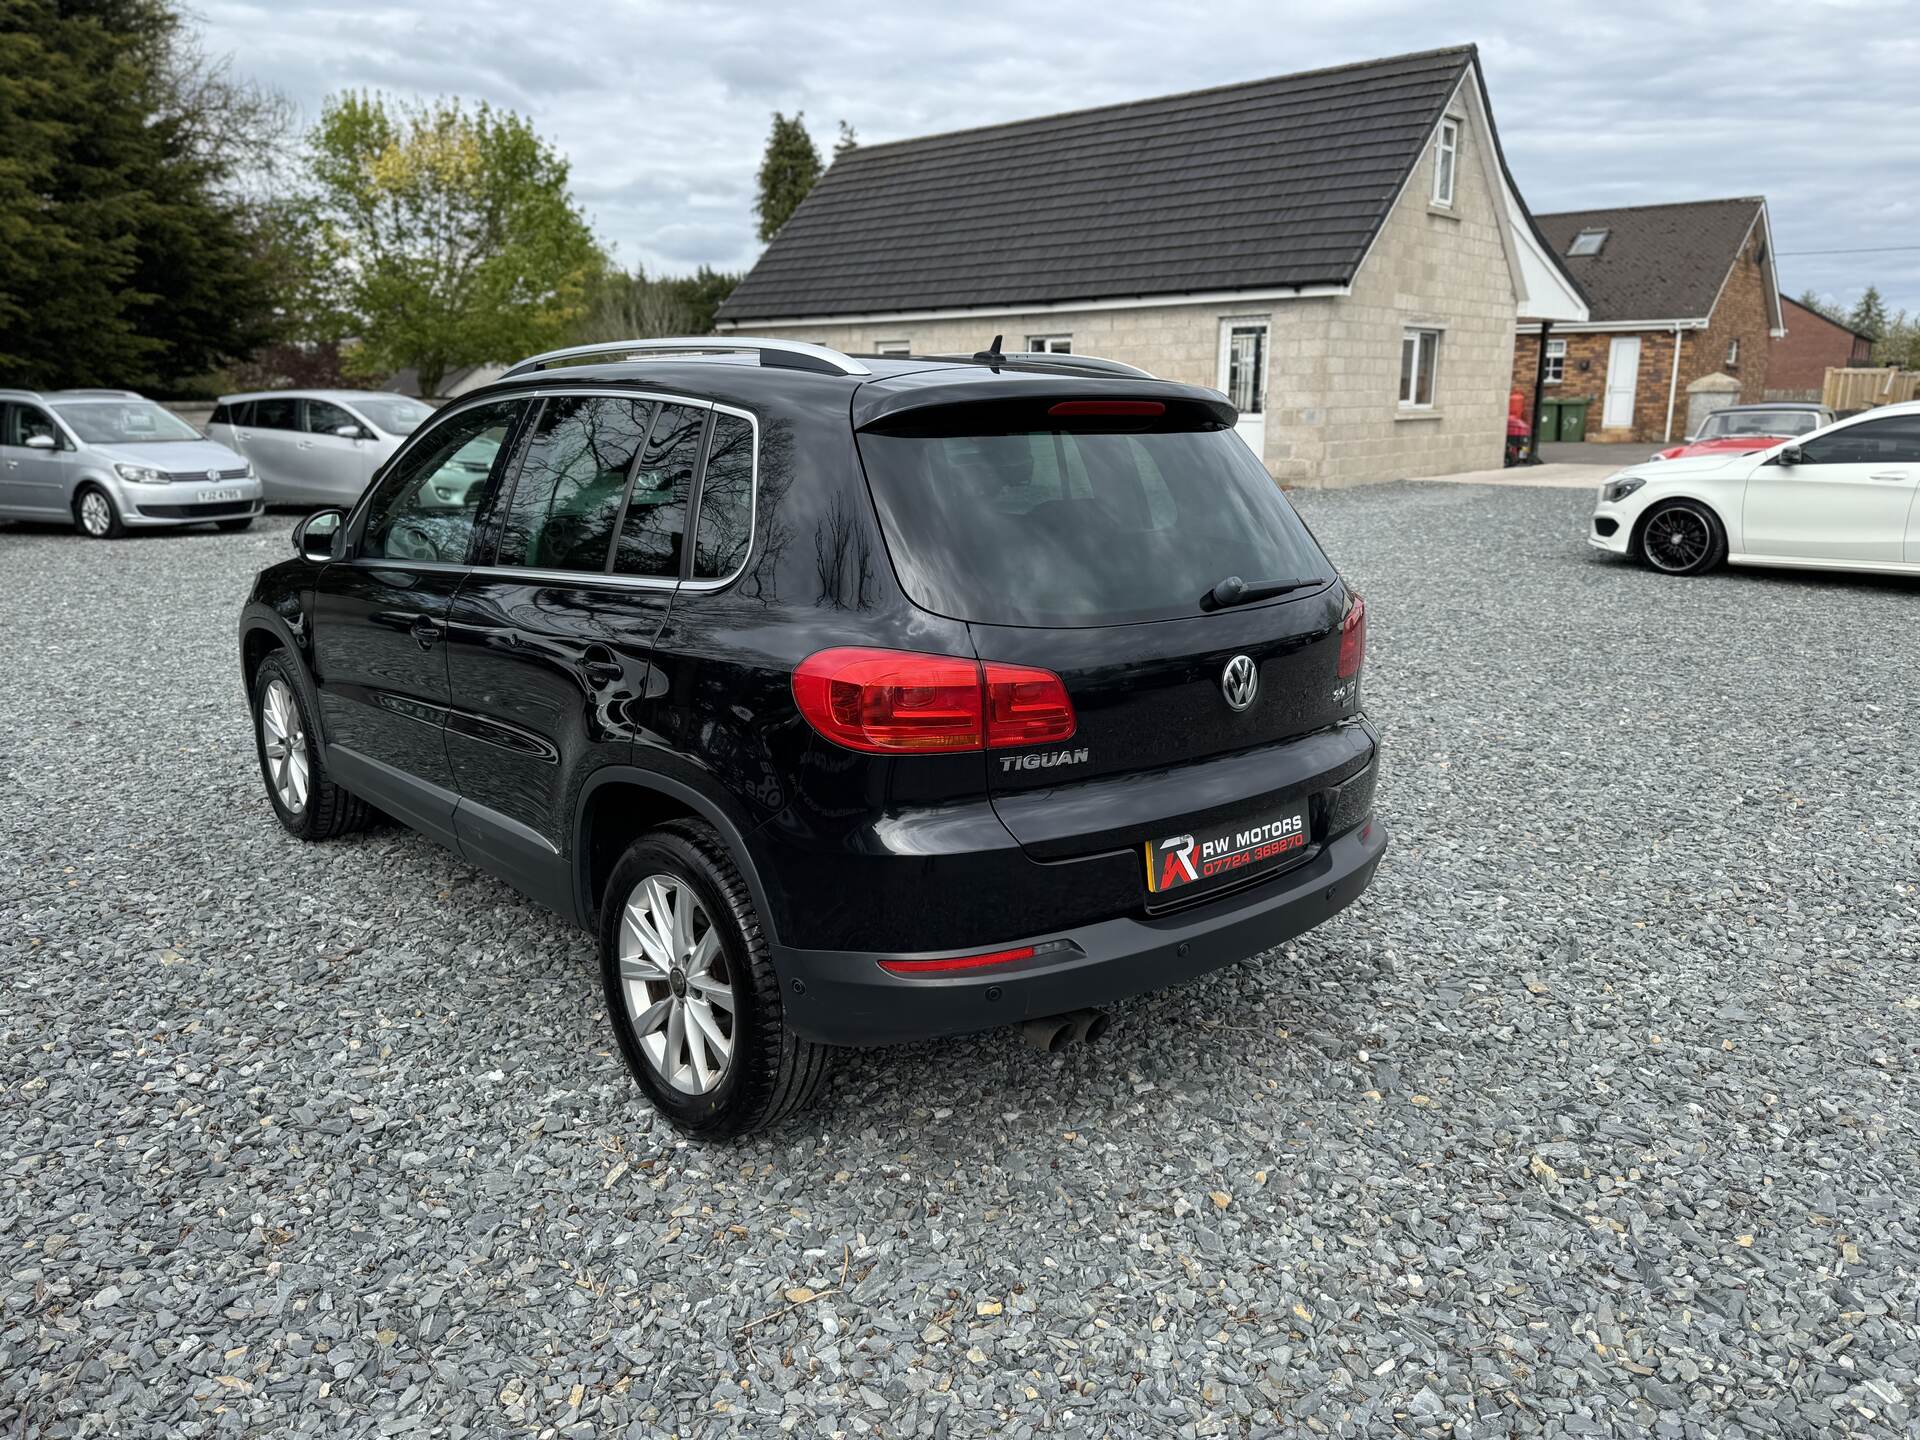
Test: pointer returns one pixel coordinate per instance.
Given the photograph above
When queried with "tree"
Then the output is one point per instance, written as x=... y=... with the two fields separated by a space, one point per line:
x=1821 y=305
x=849 y=140
x=637 y=306
x=460 y=243
x=129 y=256
x=788 y=170
x=1869 y=313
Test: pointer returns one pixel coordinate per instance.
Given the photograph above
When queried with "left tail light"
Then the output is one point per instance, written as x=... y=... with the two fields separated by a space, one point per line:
x=1353 y=636
x=901 y=702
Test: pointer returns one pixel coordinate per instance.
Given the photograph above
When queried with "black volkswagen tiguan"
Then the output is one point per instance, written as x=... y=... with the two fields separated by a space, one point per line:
x=848 y=701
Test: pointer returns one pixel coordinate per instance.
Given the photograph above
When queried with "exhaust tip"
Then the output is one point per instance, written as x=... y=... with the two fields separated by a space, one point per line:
x=1090 y=1025
x=1049 y=1035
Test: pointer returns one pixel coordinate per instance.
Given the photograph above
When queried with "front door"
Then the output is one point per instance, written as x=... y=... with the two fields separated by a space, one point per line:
x=332 y=468
x=1848 y=499
x=1623 y=380
x=33 y=479
x=380 y=625
x=1243 y=376
x=549 y=645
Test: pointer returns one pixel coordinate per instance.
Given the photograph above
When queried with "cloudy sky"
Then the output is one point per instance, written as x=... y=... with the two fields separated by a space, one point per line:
x=663 y=108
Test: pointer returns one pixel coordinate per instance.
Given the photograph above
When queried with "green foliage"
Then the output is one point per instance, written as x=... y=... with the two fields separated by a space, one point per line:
x=459 y=241
x=788 y=171
x=126 y=257
x=1821 y=305
x=639 y=307
x=849 y=140
x=1869 y=313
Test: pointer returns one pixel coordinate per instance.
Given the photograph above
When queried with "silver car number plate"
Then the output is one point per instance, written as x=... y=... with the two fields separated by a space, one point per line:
x=220 y=497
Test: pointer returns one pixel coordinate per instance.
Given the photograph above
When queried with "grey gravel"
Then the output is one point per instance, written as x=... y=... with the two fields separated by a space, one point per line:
x=1596 y=1117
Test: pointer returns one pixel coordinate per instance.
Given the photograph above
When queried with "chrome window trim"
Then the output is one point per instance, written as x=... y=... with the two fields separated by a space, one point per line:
x=582 y=577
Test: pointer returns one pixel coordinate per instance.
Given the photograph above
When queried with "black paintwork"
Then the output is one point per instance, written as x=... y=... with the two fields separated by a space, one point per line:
x=510 y=713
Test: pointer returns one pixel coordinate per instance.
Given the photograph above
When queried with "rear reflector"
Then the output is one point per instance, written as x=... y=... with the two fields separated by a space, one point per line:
x=958 y=962
x=1108 y=407
x=900 y=702
x=1353 y=637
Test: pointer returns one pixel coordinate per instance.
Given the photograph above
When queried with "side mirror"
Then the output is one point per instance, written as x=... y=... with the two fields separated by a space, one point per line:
x=1791 y=455
x=317 y=535
x=42 y=442
x=349 y=432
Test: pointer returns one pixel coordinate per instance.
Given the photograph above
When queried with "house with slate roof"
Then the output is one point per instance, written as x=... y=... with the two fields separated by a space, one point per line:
x=1694 y=280
x=1343 y=252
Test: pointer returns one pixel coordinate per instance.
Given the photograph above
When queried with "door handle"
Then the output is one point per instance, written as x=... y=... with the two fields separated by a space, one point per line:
x=306 y=444
x=600 y=667
x=426 y=631
x=1895 y=475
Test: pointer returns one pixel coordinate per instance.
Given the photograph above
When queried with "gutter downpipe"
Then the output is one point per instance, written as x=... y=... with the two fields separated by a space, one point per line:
x=1673 y=384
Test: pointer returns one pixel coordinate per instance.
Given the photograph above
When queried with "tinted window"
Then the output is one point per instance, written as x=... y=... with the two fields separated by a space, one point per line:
x=222 y=415
x=726 y=499
x=324 y=418
x=656 y=522
x=279 y=413
x=1080 y=528
x=1893 y=441
x=424 y=507
x=566 y=500
x=243 y=413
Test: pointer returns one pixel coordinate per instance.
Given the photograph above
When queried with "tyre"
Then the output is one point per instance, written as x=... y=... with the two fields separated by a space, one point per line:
x=234 y=527
x=95 y=515
x=303 y=794
x=691 y=989
x=1682 y=537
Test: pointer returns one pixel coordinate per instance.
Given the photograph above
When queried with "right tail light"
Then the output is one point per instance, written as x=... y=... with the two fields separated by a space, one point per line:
x=1353 y=636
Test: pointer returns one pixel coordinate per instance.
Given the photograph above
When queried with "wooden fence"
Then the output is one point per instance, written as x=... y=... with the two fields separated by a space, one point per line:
x=1858 y=388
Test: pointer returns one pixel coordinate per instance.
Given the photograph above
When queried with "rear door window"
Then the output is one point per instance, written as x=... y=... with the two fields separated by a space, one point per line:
x=653 y=532
x=566 y=501
x=279 y=413
x=1075 y=527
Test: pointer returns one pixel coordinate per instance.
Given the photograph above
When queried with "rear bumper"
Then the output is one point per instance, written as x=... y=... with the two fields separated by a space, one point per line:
x=845 y=998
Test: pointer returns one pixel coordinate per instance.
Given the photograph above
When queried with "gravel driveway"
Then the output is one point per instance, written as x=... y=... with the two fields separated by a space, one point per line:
x=1597 y=1115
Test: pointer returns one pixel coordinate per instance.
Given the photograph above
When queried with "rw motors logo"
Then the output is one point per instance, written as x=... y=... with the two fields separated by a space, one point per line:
x=1171 y=863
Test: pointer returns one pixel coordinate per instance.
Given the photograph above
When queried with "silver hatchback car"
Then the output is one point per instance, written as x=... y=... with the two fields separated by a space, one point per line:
x=316 y=447
x=109 y=461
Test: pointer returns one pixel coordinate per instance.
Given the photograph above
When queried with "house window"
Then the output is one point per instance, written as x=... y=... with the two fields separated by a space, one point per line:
x=1588 y=242
x=1556 y=361
x=1446 y=152
x=1246 y=367
x=1419 y=359
x=1050 y=344
x=892 y=347
x=1733 y=353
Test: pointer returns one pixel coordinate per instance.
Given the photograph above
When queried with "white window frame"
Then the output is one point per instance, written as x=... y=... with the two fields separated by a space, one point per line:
x=1733 y=353
x=1250 y=324
x=1446 y=162
x=1050 y=344
x=1423 y=338
x=893 y=347
x=1597 y=234
x=1556 y=370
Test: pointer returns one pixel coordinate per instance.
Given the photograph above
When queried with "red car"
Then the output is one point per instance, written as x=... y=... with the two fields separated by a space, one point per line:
x=1742 y=428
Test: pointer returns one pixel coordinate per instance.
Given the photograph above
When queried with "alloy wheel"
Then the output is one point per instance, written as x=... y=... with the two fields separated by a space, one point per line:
x=284 y=740
x=96 y=515
x=1676 y=540
x=676 y=983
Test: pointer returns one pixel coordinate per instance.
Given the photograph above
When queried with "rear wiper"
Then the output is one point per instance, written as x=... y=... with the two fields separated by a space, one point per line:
x=1235 y=591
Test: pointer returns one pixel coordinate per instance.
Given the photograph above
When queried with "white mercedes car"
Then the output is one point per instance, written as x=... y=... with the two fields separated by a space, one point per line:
x=1839 y=498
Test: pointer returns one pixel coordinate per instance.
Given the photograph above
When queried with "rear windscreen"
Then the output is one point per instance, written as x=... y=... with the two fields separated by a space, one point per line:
x=1065 y=528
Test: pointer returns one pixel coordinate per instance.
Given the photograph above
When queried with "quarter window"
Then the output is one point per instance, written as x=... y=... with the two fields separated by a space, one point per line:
x=653 y=531
x=1556 y=361
x=1893 y=441
x=726 y=500
x=1245 y=367
x=424 y=507
x=1446 y=155
x=1419 y=361
x=566 y=499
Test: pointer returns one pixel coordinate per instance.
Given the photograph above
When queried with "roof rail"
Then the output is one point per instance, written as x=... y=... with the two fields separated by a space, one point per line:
x=90 y=392
x=1092 y=364
x=788 y=354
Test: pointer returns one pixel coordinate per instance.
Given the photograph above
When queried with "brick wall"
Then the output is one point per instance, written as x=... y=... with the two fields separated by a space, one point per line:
x=1800 y=359
x=1742 y=311
x=1333 y=379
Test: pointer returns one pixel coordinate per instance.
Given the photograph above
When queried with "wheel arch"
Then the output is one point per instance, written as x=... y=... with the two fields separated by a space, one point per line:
x=604 y=827
x=262 y=632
